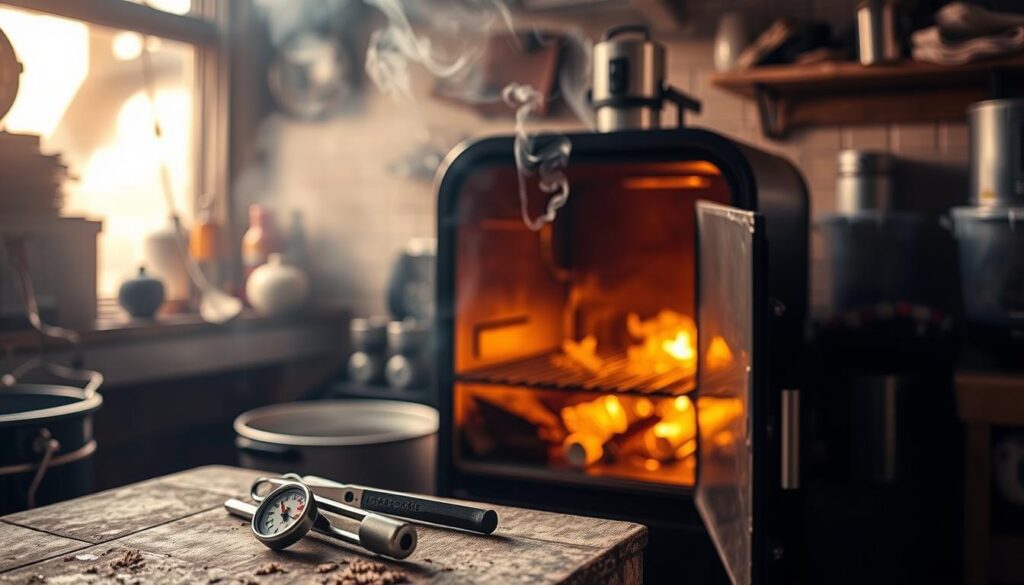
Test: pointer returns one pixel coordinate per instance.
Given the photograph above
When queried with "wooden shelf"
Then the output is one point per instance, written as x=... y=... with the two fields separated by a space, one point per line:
x=794 y=96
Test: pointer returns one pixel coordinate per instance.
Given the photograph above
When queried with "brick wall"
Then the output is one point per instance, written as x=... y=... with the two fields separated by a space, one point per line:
x=358 y=214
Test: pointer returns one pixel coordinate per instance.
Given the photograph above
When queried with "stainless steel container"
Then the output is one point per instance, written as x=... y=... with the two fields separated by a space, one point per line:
x=877 y=34
x=366 y=364
x=407 y=345
x=863 y=182
x=380 y=443
x=997 y=152
x=629 y=74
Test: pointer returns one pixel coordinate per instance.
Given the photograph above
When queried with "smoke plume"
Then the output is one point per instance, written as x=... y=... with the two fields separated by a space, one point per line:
x=448 y=40
x=546 y=160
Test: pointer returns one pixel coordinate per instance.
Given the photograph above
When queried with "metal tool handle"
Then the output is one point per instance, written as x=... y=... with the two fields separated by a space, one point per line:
x=92 y=379
x=423 y=509
x=433 y=511
x=18 y=257
x=240 y=508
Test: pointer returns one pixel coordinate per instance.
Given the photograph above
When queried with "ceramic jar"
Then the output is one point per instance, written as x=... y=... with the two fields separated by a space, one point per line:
x=276 y=288
x=162 y=251
x=141 y=296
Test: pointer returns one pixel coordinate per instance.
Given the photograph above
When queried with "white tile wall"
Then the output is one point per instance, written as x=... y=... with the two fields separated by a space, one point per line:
x=358 y=215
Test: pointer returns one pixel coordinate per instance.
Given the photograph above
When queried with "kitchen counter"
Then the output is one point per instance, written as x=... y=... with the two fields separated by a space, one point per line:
x=174 y=347
x=174 y=529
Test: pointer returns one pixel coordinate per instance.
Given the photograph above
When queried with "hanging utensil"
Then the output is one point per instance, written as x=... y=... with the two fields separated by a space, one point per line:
x=215 y=305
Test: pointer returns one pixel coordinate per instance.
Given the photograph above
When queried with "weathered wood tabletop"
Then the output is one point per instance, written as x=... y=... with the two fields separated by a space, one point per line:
x=181 y=533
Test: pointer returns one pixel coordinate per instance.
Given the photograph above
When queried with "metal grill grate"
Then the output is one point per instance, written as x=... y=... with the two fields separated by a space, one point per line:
x=615 y=376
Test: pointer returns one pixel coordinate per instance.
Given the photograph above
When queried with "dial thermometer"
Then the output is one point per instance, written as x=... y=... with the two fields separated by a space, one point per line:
x=291 y=510
x=287 y=514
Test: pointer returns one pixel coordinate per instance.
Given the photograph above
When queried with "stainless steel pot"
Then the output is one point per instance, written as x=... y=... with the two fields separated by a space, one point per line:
x=379 y=443
x=863 y=182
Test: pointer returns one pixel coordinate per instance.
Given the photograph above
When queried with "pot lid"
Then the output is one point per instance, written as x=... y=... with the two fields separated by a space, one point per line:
x=10 y=71
x=337 y=423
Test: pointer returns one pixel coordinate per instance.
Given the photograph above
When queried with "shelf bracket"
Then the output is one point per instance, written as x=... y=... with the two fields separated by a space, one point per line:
x=769 y=109
x=997 y=83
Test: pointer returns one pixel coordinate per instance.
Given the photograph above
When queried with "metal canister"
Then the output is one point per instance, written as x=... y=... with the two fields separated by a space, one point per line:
x=366 y=364
x=629 y=75
x=407 y=367
x=864 y=182
x=877 y=34
x=997 y=153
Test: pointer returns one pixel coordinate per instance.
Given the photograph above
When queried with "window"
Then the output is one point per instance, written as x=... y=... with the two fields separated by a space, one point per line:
x=83 y=91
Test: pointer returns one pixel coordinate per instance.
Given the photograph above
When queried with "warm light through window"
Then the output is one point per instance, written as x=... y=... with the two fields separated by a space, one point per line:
x=82 y=90
x=172 y=6
x=54 y=54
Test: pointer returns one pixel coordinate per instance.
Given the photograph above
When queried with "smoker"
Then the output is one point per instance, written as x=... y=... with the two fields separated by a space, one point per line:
x=636 y=357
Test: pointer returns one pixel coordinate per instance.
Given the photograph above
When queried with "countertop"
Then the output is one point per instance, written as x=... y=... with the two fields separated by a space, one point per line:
x=174 y=529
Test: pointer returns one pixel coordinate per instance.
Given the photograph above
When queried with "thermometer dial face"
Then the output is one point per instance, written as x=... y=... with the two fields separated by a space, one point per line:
x=284 y=516
x=282 y=512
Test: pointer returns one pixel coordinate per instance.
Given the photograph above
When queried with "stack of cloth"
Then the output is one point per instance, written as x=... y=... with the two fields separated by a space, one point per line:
x=30 y=181
x=964 y=33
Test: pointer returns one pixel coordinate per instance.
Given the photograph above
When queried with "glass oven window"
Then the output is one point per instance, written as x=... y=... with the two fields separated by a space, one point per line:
x=575 y=345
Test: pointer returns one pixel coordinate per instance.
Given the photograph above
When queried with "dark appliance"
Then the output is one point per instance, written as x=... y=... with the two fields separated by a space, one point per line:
x=636 y=358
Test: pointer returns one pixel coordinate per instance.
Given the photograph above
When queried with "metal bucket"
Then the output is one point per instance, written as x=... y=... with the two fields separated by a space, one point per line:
x=380 y=443
x=46 y=444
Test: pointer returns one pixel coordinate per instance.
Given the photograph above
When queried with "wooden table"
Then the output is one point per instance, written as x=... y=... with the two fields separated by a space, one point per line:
x=178 y=525
x=985 y=400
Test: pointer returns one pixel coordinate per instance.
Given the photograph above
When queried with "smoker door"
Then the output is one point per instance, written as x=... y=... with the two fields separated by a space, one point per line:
x=730 y=389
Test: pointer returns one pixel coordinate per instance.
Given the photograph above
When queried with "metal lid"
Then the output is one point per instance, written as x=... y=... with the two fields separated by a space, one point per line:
x=407 y=334
x=988 y=213
x=864 y=162
x=10 y=71
x=368 y=332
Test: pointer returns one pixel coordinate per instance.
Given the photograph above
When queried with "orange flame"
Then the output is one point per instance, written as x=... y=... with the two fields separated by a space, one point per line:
x=666 y=342
x=719 y=355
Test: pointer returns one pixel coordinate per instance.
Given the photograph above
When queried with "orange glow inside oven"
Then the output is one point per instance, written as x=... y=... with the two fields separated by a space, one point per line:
x=576 y=346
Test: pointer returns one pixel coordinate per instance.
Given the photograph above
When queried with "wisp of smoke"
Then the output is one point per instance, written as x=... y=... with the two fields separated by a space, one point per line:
x=286 y=18
x=547 y=161
x=393 y=47
x=463 y=26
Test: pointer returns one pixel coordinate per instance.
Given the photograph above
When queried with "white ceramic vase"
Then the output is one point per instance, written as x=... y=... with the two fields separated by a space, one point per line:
x=276 y=288
x=162 y=254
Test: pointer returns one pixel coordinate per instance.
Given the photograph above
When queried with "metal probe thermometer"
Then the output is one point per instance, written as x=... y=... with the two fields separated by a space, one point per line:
x=291 y=510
